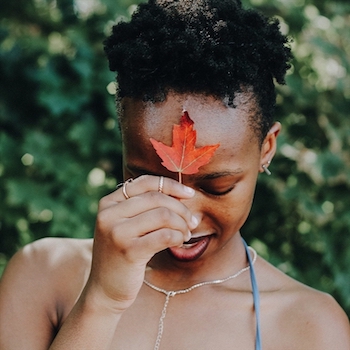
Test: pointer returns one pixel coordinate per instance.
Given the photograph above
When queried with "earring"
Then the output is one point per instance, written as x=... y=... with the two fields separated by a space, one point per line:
x=265 y=167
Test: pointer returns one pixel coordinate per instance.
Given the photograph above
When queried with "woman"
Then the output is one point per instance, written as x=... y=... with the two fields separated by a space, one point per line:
x=168 y=268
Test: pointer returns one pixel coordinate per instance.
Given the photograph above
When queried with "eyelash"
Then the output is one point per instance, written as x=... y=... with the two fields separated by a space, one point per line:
x=217 y=194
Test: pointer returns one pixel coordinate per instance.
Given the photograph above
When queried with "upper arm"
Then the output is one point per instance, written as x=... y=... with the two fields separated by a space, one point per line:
x=26 y=312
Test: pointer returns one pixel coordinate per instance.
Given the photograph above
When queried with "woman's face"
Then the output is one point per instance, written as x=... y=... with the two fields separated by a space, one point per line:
x=224 y=187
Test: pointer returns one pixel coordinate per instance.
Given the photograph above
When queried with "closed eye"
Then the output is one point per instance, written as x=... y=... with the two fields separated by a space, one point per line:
x=215 y=193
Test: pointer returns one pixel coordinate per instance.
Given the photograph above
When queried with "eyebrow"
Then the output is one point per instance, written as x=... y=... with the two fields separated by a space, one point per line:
x=208 y=176
x=138 y=169
x=217 y=174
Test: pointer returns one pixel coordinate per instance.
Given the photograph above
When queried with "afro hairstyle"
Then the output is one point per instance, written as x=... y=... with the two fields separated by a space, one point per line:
x=211 y=47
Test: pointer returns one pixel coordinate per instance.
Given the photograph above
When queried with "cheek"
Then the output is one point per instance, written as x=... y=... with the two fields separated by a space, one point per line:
x=234 y=209
x=243 y=199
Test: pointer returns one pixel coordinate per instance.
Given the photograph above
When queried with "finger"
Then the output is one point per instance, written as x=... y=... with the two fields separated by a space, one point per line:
x=151 y=200
x=112 y=212
x=151 y=221
x=150 y=210
x=146 y=183
x=150 y=244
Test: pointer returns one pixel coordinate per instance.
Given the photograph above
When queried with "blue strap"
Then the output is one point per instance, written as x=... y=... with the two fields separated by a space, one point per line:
x=256 y=298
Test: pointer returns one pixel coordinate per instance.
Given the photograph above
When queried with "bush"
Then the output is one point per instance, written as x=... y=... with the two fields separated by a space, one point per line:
x=60 y=146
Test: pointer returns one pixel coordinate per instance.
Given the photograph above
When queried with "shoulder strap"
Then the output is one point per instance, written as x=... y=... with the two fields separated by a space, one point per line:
x=256 y=298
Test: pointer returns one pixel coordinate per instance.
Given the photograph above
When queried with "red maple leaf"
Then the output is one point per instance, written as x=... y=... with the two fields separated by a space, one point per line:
x=183 y=157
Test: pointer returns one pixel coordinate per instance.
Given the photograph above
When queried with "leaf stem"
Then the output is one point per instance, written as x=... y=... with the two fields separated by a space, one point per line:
x=180 y=177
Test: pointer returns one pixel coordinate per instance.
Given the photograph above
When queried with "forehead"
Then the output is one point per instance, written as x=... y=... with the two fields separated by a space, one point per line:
x=213 y=120
x=205 y=111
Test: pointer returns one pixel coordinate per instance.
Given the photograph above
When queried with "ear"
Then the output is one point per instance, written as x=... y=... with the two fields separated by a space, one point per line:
x=269 y=146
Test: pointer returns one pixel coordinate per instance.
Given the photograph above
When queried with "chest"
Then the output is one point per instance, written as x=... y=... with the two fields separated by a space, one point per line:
x=198 y=321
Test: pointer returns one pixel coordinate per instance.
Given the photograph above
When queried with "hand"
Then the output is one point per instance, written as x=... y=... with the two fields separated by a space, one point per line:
x=130 y=231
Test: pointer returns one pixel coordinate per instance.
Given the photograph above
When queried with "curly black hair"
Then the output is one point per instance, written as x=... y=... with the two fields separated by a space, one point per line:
x=211 y=47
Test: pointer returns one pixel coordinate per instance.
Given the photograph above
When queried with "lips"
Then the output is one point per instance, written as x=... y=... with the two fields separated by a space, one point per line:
x=190 y=250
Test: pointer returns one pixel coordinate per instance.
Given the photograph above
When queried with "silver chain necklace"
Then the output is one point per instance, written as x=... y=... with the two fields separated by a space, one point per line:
x=172 y=293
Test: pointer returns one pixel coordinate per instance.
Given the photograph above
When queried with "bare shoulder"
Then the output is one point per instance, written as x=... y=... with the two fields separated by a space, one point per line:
x=60 y=251
x=320 y=318
x=39 y=286
x=307 y=318
x=50 y=255
x=49 y=262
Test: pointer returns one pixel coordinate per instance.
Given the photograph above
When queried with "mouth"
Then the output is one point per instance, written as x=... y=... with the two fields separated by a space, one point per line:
x=192 y=241
x=192 y=249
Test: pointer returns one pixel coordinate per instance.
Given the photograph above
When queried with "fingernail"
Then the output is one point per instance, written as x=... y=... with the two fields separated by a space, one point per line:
x=188 y=190
x=194 y=221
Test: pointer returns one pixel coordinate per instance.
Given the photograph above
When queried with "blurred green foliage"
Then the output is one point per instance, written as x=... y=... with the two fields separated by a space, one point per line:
x=60 y=146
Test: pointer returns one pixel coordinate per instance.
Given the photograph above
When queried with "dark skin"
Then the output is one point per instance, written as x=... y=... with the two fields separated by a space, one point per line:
x=108 y=306
x=229 y=187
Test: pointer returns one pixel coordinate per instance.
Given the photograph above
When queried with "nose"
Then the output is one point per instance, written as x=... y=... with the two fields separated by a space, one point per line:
x=195 y=207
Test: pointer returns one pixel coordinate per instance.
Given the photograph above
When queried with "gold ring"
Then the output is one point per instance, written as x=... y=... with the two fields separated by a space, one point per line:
x=124 y=188
x=161 y=184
